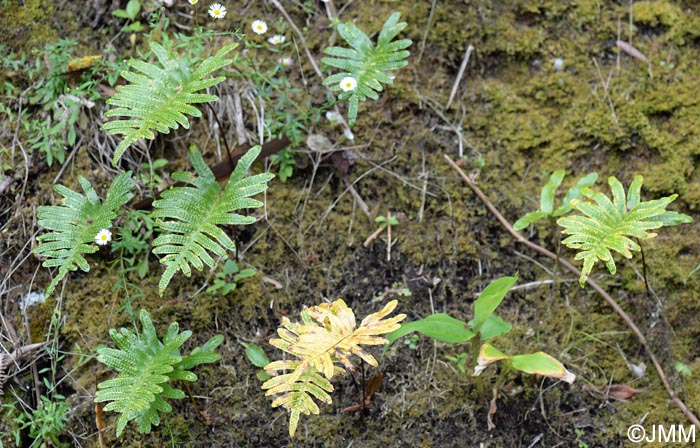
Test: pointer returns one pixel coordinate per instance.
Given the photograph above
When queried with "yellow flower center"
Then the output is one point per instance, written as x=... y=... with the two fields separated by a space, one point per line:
x=217 y=12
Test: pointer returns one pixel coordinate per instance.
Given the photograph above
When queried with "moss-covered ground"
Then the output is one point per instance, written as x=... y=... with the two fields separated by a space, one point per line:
x=519 y=116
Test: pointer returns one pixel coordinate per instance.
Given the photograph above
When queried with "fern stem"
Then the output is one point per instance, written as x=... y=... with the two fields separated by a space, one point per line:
x=607 y=297
x=223 y=135
x=644 y=270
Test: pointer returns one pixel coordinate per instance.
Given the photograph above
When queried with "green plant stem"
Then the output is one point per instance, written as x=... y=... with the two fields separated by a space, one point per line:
x=607 y=297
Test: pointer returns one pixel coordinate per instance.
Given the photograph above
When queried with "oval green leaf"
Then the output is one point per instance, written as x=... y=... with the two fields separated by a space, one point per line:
x=441 y=327
x=542 y=364
x=489 y=299
x=256 y=355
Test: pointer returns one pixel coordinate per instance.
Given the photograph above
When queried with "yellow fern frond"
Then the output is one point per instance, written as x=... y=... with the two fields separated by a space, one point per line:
x=326 y=336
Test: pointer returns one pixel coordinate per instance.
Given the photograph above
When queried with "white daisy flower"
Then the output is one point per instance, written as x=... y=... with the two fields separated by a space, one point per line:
x=276 y=39
x=259 y=27
x=285 y=62
x=103 y=237
x=193 y=2
x=348 y=83
x=217 y=11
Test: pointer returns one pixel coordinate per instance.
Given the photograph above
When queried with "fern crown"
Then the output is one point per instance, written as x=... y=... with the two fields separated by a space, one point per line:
x=326 y=336
x=189 y=218
x=610 y=225
x=368 y=64
x=73 y=225
x=159 y=95
x=146 y=365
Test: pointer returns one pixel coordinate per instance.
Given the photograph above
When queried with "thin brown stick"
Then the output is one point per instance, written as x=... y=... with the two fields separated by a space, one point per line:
x=427 y=29
x=620 y=312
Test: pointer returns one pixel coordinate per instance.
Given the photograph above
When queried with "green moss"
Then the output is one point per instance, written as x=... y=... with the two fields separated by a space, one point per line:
x=655 y=13
x=27 y=25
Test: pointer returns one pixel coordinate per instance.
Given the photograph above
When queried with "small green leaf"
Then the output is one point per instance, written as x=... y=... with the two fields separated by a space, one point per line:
x=668 y=219
x=120 y=13
x=133 y=8
x=683 y=369
x=575 y=193
x=549 y=190
x=255 y=355
x=490 y=298
x=494 y=326
x=528 y=219
x=245 y=273
x=441 y=327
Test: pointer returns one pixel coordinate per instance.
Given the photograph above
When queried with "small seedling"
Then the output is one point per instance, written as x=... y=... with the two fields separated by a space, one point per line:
x=225 y=282
x=485 y=326
x=149 y=175
x=683 y=369
x=385 y=222
x=460 y=361
x=412 y=342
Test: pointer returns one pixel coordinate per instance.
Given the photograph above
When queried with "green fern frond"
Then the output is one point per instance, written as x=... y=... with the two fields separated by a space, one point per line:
x=189 y=217
x=74 y=224
x=368 y=64
x=610 y=225
x=145 y=367
x=157 y=98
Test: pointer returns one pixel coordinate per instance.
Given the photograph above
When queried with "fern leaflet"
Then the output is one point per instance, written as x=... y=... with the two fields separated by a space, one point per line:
x=74 y=224
x=367 y=64
x=145 y=367
x=189 y=217
x=326 y=336
x=609 y=225
x=157 y=98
